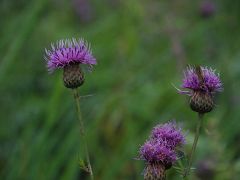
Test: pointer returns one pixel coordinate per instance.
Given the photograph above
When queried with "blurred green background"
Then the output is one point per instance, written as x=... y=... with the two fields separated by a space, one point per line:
x=142 y=47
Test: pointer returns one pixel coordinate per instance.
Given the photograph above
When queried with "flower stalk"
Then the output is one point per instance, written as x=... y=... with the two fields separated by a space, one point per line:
x=82 y=131
x=198 y=129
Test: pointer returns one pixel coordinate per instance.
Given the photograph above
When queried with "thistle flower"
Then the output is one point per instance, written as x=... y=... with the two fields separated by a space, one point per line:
x=84 y=10
x=68 y=55
x=206 y=168
x=207 y=9
x=202 y=83
x=170 y=133
x=211 y=80
x=159 y=151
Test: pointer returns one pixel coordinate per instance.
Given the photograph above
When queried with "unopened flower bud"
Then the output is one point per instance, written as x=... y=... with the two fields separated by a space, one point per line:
x=155 y=171
x=201 y=102
x=73 y=76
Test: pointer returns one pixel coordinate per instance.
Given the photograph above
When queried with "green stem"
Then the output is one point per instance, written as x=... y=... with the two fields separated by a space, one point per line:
x=77 y=100
x=199 y=125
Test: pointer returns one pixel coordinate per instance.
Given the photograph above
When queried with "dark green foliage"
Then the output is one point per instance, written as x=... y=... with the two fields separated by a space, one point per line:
x=141 y=48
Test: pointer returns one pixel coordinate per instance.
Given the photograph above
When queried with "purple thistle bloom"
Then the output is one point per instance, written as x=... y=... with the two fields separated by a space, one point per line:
x=207 y=8
x=161 y=146
x=84 y=10
x=69 y=51
x=211 y=81
x=159 y=151
x=156 y=151
x=170 y=133
x=203 y=82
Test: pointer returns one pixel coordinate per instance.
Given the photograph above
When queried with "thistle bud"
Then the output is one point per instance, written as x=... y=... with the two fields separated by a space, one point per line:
x=73 y=76
x=201 y=102
x=155 y=171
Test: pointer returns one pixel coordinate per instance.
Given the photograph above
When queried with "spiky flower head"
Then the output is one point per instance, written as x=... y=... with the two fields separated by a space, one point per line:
x=211 y=80
x=170 y=133
x=159 y=151
x=69 y=51
x=69 y=54
x=202 y=83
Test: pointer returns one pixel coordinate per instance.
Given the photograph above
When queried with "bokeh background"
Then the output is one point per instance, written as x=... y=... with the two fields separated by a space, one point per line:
x=142 y=47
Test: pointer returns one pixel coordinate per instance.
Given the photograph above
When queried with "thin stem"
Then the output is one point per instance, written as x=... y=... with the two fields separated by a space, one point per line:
x=77 y=100
x=199 y=125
